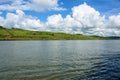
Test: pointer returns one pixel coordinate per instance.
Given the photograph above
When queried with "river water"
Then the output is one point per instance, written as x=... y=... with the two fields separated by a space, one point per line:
x=60 y=60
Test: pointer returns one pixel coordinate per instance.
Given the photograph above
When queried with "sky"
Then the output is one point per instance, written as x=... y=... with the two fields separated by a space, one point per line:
x=88 y=17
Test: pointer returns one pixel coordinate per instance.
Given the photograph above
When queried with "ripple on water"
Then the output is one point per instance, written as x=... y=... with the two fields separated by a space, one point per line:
x=87 y=69
x=49 y=72
x=79 y=60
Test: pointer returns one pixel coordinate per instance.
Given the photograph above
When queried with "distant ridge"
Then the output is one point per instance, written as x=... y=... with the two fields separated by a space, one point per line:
x=19 y=34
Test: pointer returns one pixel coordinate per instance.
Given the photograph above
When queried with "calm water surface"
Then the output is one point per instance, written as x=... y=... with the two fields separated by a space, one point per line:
x=60 y=60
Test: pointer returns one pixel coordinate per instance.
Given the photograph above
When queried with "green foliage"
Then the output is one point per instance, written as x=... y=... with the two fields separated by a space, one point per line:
x=19 y=34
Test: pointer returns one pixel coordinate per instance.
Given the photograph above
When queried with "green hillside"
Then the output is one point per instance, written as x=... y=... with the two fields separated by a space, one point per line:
x=19 y=34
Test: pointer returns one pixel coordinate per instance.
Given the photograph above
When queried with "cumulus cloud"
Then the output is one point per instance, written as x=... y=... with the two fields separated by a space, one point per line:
x=113 y=26
x=41 y=5
x=11 y=5
x=1 y=21
x=35 y=5
x=60 y=24
x=20 y=20
x=89 y=18
x=83 y=20
x=115 y=21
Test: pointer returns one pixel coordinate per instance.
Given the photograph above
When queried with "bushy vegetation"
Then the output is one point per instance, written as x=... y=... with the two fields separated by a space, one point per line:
x=19 y=34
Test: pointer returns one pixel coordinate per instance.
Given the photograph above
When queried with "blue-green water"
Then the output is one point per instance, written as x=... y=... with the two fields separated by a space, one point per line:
x=60 y=60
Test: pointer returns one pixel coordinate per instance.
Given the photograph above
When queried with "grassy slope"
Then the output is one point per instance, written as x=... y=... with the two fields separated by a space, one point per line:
x=18 y=34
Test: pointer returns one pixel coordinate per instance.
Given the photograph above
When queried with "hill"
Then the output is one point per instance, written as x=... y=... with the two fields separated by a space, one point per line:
x=19 y=34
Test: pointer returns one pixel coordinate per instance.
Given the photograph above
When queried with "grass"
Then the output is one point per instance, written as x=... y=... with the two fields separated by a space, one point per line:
x=19 y=34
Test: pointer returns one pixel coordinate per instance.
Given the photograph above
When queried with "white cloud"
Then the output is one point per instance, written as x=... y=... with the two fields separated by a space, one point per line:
x=115 y=21
x=86 y=15
x=1 y=21
x=59 y=24
x=113 y=26
x=41 y=5
x=55 y=21
x=11 y=5
x=35 y=5
x=84 y=20
x=20 y=20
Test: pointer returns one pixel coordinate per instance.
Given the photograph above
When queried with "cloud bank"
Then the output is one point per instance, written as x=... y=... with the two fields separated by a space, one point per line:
x=84 y=20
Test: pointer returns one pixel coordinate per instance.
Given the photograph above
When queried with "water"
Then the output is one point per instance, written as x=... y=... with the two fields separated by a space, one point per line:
x=60 y=60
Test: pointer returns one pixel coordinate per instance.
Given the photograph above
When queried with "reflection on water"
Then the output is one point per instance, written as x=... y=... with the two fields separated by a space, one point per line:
x=60 y=60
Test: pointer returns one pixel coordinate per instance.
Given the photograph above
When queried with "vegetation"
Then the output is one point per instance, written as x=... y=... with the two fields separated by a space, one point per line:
x=19 y=34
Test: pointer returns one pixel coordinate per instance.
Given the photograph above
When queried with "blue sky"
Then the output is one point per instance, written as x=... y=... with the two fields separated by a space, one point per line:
x=57 y=15
x=105 y=7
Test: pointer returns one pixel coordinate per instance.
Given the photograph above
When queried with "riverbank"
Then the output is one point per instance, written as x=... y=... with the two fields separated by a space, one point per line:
x=19 y=34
